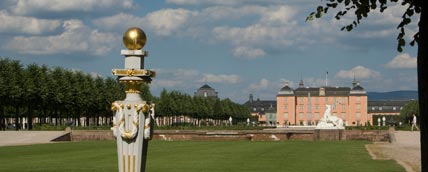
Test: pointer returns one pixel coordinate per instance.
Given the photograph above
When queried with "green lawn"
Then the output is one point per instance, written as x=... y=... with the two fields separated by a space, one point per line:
x=199 y=156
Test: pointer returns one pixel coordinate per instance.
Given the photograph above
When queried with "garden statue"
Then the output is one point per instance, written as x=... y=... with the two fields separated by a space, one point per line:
x=328 y=121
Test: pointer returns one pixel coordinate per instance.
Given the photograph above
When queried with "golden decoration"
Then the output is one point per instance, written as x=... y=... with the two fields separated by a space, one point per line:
x=135 y=124
x=134 y=38
x=132 y=86
x=145 y=108
x=133 y=72
x=128 y=106
x=113 y=107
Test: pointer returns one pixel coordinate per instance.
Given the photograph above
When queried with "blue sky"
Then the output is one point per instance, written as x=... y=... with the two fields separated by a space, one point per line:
x=238 y=46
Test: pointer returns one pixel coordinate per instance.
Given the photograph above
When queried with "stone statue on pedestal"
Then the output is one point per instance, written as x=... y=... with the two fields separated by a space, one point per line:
x=328 y=121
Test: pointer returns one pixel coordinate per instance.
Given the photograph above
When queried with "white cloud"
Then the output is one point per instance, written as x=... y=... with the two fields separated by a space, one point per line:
x=205 y=2
x=27 y=25
x=229 y=13
x=120 y=21
x=280 y=15
x=402 y=61
x=227 y=2
x=186 y=73
x=175 y=79
x=166 y=83
x=358 y=72
x=263 y=84
x=248 y=53
x=31 y=7
x=165 y=22
x=254 y=34
x=183 y=78
x=222 y=78
x=76 y=38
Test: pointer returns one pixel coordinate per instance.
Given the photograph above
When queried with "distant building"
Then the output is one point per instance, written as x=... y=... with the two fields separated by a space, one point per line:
x=262 y=108
x=306 y=105
x=390 y=109
x=206 y=91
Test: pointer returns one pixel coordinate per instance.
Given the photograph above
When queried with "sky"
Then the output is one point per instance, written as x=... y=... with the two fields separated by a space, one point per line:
x=238 y=47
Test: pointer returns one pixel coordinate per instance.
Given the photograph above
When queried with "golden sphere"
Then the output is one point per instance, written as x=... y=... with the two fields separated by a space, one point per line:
x=134 y=38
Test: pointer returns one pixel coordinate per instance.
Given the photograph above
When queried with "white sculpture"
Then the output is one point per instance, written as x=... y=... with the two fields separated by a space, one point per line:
x=328 y=121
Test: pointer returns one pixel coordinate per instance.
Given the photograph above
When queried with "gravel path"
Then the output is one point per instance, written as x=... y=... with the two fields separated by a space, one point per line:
x=406 y=150
x=10 y=138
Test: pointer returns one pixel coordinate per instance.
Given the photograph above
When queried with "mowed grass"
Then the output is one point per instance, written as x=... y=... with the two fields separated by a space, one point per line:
x=199 y=156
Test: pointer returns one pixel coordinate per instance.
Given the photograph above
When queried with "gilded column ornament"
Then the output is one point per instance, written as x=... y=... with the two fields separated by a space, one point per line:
x=133 y=119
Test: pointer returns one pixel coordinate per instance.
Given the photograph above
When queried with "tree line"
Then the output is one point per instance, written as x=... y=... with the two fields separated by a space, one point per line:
x=59 y=96
x=176 y=107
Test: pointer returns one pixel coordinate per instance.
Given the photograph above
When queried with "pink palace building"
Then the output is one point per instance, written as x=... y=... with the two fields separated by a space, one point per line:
x=306 y=105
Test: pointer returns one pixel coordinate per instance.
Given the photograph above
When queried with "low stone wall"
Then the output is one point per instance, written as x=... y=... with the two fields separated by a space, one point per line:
x=329 y=135
x=370 y=135
x=80 y=135
x=250 y=135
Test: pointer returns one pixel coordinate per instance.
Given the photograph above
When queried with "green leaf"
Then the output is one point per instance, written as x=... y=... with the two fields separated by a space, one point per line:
x=412 y=43
x=401 y=42
x=399 y=49
x=348 y=1
x=320 y=9
x=382 y=8
x=309 y=18
x=409 y=12
x=349 y=28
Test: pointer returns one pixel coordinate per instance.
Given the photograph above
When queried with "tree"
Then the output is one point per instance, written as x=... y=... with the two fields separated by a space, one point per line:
x=406 y=114
x=361 y=9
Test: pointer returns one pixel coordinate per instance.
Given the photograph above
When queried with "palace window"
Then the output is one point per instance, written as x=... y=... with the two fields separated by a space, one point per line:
x=358 y=115
x=285 y=107
x=358 y=107
x=357 y=98
x=301 y=107
x=285 y=116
